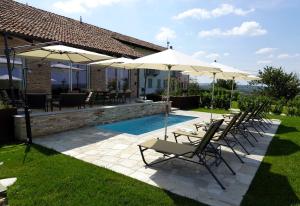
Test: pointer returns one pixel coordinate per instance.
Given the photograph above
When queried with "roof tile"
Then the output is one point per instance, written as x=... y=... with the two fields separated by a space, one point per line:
x=24 y=20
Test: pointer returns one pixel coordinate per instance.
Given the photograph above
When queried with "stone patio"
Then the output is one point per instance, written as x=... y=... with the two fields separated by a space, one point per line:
x=119 y=152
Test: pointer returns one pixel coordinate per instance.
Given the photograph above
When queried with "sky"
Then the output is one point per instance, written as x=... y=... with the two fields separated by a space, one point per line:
x=247 y=35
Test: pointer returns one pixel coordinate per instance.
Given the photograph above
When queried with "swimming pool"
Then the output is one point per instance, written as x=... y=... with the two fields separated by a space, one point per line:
x=144 y=124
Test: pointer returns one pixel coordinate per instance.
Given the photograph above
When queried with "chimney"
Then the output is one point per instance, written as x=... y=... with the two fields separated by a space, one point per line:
x=81 y=19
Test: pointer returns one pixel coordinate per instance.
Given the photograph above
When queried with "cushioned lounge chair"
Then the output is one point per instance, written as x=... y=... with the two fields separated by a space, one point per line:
x=221 y=137
x=192 y=153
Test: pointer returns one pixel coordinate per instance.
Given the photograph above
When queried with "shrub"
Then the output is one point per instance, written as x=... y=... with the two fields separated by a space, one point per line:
x=222 y=102
x=277 y=107
x=205 y=99
x=250 y=101
x=235 y=96
x=293 y=107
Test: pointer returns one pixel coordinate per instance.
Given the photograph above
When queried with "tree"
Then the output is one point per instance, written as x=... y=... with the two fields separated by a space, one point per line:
x=279 y=84
x=225 y=84
x=194 y=88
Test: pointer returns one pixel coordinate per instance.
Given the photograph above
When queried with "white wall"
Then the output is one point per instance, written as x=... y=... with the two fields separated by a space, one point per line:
x=163 y=75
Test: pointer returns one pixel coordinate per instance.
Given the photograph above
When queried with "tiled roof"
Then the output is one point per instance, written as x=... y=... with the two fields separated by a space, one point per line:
x=26 y=21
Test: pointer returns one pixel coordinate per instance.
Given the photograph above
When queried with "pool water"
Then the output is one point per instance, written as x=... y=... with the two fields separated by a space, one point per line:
x=144 y=124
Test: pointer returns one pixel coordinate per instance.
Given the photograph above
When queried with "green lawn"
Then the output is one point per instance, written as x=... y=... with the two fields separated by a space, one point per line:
x=217 y=111
x=277 y=181
x=46 y=177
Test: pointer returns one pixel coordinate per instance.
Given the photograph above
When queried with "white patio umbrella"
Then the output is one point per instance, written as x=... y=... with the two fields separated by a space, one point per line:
x=6 y=77
x=250 y=78
x=64 y=53
x=118 y=62
x=168 y=60
x=227 y=73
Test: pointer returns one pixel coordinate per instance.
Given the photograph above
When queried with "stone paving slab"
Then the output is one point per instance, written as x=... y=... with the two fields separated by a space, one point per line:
x=119 y=152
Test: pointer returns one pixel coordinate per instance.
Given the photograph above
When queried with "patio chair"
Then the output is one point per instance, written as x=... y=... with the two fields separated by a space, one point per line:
x=90 y=99
x=127 y=95
x=37 y=101
x=120 y=97
x=112 y=95
x=221 y=137
x=201 y=151
x=249 y=122
x=260 y=117
x=70 y=100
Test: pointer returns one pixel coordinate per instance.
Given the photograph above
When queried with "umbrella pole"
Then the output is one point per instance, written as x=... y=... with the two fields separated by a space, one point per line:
x=71 y=77
x=167 y=102
x=9 y=69
x=212 y=96
x=231 y=95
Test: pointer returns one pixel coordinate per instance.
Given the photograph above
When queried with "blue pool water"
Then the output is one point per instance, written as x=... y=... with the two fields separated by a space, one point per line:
x=144 y=124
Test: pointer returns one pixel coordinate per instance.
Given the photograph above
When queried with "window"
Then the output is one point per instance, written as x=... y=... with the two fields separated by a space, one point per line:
x=158 y=83
x=17 y=73
x=149 y=83
x=117 y=79
x=63 y=80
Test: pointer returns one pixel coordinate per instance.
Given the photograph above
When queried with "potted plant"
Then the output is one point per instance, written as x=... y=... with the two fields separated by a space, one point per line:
x=7 y=113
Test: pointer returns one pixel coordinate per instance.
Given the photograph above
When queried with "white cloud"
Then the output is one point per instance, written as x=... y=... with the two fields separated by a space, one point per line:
x=264 y=62
x=165 y=34
x=81 y=6
x=213 y=56
x=248 y=28
x=199 y=54
x=222 y=10
x=287 y=56
x=210 y=56
x=266 y=50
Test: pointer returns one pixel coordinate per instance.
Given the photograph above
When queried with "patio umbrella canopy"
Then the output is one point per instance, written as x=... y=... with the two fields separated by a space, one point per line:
x=168 y=60
x=64 y=53
x=118 y=62
x=249 y=78
x=227 y=73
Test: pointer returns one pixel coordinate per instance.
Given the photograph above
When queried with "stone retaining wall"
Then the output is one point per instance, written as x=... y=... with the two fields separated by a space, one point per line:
x=54 y=122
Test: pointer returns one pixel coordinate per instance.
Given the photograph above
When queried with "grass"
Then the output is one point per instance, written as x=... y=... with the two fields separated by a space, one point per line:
x=277 y=181
x=217 y=111
x=234 y=105
x=46 y=177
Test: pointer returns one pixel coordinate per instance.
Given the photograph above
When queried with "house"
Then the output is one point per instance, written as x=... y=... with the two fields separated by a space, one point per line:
x=24 y=25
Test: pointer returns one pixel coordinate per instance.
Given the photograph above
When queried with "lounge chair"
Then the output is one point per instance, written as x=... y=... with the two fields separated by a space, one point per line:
x=221 y=137
x=249 y=122
x=172 y=150
x=90 y=99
